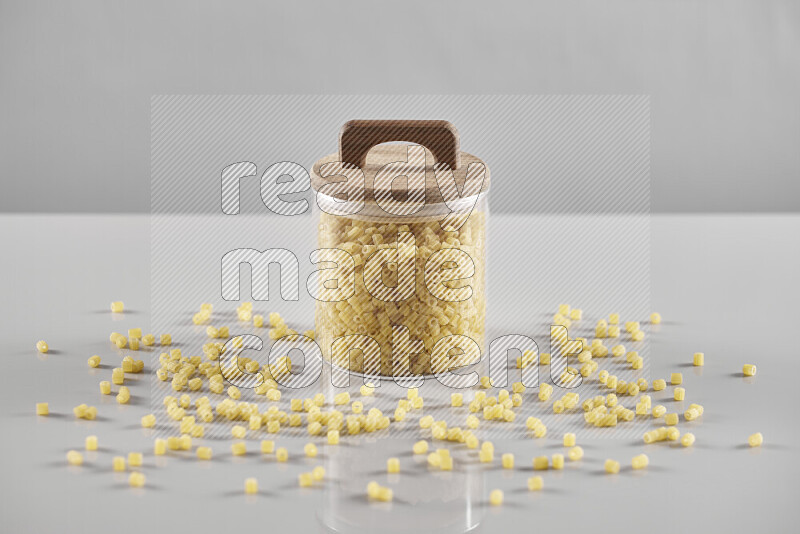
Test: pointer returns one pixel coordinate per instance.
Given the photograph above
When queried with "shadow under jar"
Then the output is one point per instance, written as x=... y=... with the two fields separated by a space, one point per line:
x=403 y=228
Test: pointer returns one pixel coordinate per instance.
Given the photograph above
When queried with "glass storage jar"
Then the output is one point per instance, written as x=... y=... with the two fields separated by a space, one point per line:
x=403 y=227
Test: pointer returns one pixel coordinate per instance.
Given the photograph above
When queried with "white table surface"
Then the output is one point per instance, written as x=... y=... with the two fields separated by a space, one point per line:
x=725 y=285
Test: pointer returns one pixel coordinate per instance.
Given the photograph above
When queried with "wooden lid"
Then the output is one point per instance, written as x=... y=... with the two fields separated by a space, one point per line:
x=358 y=140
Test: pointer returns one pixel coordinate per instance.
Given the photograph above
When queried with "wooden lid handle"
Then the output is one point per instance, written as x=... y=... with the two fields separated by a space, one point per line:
x=357 y=137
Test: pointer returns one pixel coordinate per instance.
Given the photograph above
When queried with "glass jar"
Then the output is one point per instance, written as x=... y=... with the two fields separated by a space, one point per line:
x=405 y=228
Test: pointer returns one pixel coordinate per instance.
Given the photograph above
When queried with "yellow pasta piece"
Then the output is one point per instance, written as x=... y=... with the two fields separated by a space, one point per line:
x=333 y=437
x=558 y=461
x=118 y=463
x=136 y=479
x=117 y=306
x=420 y=447
x=239 y=448
x=318 y=473
x=697 y=407
x=472 y=422
x=679 y=394
x=575 y=453
x=426 y=421
x=535 y=483
x=204 y=453
x=124 y=395
x=160 y=447
x=698 y=360
x=687 y=440
x=135 y=459
x=255 y=422
x=305 y=480
x=541 y=463
x=655 y=318
x=507 y=461
x=676 y=379
x=310 y=450
x=671 y=419
x=251 y=486
x=385 y=494
x=372 y=490
x=659 y=384
x=456 y=400
x=148 y=421
x=42 y=408
x=74 y=458
x=496 y=497
x=91 y=443
x=755 y=440
x=659 y=410
x=393 y=465
x=749 y=370
x=611 y=466
x=640 y=461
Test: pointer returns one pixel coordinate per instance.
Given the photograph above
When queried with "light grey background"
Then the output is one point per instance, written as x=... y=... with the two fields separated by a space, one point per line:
x=710 y=281
x=76 y=79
